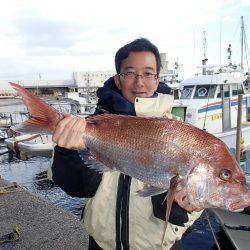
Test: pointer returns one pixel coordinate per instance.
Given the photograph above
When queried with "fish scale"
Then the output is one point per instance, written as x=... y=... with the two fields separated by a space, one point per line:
x=145 y=145
x=126 y=161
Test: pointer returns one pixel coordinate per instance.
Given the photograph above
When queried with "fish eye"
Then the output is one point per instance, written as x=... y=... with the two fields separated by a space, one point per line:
x=225 y=174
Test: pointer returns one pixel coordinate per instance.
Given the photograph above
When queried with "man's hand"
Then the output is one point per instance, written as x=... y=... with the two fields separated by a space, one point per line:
x=70 y=132
x=182 y=200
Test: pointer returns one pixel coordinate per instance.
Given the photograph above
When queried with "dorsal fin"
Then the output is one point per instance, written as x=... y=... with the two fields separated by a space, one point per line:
x=109 y=117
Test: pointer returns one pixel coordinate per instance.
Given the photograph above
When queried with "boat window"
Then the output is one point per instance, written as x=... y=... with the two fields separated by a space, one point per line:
x=226 y=91
x=176 y=94
x=237 y=89
x=205 y=91
x=187 y=92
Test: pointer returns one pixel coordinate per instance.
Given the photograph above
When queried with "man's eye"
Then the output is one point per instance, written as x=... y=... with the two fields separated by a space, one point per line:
x=147 y=74
x=130 y=73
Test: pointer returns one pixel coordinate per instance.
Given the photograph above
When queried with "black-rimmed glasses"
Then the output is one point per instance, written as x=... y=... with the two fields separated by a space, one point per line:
x=147 y=76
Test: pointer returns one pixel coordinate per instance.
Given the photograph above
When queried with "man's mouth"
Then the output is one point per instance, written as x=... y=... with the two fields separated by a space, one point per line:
x=139 y=93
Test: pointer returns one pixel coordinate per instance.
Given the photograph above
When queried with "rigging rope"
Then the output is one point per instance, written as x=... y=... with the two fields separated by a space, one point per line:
x=212 y=231
x=205 y=118
x=234 y=35
x=246 y=49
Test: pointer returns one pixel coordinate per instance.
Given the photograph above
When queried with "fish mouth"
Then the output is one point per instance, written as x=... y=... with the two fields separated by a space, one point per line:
x=240 y=204
x=237 y=210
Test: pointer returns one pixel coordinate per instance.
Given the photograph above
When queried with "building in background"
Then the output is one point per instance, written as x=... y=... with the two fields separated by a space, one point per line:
x=171 y=77
x=91 y=79
x=88 y=82
x=164 y=70
x=83 y=82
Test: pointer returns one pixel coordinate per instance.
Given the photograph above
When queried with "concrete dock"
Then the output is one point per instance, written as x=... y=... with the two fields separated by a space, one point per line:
x=41 y=225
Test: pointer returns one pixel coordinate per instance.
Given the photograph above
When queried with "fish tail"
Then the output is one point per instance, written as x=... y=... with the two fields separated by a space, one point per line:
x=43 y=118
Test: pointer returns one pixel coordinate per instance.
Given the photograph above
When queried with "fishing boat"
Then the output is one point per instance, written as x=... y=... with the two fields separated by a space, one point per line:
x=30 y=145
x=209 y=101
x=86 y=104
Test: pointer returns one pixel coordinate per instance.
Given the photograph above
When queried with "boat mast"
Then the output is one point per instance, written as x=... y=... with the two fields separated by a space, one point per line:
x=242 y=43
x=229 y=51
x=204 y=60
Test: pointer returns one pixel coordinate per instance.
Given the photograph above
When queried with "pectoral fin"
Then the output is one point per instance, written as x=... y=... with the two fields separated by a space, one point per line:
x=170 y=199
x=150 y=191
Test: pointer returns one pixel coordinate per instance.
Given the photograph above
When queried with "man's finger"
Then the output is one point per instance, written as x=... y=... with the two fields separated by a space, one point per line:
x=67 y=115
x=63 y=129
x=75 y=139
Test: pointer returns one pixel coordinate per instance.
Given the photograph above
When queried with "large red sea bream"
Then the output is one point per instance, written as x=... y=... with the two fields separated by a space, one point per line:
x=157 y=151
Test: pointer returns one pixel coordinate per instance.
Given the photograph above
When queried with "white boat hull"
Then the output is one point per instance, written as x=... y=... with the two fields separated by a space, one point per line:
x=229 y=137
x=40 y=146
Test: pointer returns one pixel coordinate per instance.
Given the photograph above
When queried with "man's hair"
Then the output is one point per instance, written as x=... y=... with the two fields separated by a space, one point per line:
x=138 y=45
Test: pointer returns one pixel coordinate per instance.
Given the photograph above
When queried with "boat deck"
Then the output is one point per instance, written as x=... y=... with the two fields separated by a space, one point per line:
x=236 y=226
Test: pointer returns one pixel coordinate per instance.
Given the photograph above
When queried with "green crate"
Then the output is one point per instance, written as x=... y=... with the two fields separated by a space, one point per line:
x=179 y=112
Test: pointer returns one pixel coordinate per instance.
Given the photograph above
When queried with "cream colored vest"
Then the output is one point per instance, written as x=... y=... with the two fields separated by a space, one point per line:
x=145 y=230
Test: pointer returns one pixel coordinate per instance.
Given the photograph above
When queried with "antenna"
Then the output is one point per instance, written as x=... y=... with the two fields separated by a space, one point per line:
x=229 y=51
x=220 y=40
x=204 y=44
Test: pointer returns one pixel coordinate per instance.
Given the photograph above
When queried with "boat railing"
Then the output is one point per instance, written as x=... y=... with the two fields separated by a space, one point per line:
x=12 y=118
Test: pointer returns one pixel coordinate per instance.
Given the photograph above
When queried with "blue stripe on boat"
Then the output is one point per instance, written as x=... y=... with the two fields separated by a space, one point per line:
x=219 y=106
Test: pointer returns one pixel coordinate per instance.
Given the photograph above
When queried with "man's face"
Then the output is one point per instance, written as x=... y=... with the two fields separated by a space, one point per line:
x=132 y=85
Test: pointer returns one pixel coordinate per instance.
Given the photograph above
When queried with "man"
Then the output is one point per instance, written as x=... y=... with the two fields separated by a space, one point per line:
x=115 y=216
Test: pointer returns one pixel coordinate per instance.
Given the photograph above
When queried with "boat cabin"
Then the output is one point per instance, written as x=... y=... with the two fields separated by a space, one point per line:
x=210 y=102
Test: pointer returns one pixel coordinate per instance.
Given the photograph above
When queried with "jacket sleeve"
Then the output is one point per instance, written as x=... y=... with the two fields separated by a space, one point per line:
x=71 y=174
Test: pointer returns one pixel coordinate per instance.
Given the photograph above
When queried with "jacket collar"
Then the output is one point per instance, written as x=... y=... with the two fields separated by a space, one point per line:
x=111 y=99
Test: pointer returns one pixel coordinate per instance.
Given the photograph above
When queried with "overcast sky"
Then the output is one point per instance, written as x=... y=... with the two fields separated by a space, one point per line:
x=54 y=38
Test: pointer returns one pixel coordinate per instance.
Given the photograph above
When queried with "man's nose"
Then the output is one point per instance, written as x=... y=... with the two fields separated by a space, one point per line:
x=139 y=80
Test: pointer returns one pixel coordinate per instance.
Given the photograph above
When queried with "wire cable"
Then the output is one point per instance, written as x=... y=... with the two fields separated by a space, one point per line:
x=246 y=49
x=212 y=231
x=205 y=118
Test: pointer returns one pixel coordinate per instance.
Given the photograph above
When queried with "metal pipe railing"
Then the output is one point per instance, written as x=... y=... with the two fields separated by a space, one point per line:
x=238 y=132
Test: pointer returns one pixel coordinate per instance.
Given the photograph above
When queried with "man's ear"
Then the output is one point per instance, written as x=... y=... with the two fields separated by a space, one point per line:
x=117 y=81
